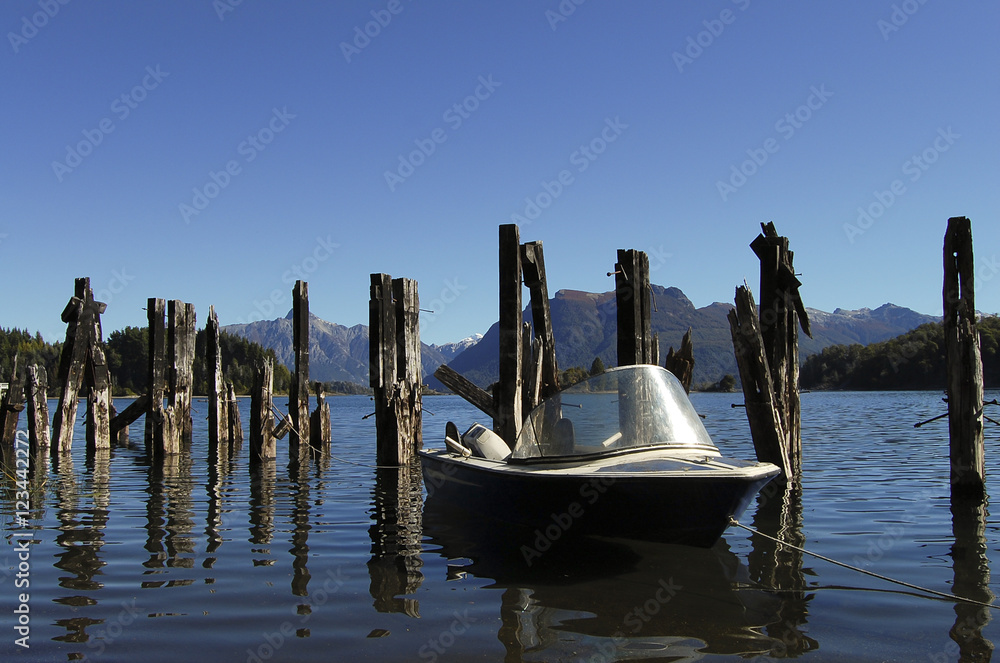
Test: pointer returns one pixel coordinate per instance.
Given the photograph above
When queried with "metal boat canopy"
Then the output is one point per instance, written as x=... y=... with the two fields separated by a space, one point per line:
x=624 y=408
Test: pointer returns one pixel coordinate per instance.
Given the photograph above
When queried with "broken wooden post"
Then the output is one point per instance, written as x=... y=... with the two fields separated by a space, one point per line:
x=394 y=367
x=98 y=398
x=963 y=360
x=320 y=431
x=766 y=425
x=235 y=435
x=508 y=396
x=12 y=404
x=681 y=363
x=35 y=389
x=467 y=389
x=781 y=314
x=121 y=421
x=180 y=368
x=262 y=444
x=156 y=386
x=298 y=391
x=82 y=360
x=218 y=419
x=533 y=269
x=635 y=340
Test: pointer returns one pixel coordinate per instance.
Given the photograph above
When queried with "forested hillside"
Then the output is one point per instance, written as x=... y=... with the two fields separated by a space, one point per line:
x=128 y=356
x=914 y=360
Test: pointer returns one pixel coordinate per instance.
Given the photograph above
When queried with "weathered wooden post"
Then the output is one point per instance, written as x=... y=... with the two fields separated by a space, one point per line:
x=11 y=404
x=533 y=269
x=963 y=361
x=781 y=315
x=635 y=340
x=262 y=444
x=766 y=424
x=156 y=385
x=180 y=352
x=508 y=395
x=394 y=367
x=218 y=412
x=320 y=430
x=82 y=360
x=298 y=393
x=681 y=363
x=233 y=416
x=38 y=409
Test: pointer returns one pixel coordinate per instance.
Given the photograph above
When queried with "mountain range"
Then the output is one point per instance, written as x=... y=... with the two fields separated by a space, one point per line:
x=584 y=326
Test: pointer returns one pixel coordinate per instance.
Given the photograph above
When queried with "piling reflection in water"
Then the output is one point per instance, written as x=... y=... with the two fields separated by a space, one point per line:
x=81 y=536
x=972 y=577
x=780 y=568
x=298 y=477
x=611 y=599
x=394 y=568
x=261 y=514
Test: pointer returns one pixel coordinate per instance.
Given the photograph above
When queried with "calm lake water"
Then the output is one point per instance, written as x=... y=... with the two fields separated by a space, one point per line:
x=335 y=560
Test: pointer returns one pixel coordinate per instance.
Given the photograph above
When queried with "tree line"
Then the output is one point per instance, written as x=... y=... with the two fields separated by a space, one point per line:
x=127 y=354
x=914 y=360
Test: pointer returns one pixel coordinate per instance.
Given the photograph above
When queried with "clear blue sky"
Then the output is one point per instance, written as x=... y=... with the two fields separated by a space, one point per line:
x=287 y=118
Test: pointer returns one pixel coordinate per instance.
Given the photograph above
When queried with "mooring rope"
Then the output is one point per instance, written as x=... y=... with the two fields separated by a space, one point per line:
x=943 y=595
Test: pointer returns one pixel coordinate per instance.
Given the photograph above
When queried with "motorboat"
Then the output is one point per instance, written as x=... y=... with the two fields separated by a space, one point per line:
x=622 y=454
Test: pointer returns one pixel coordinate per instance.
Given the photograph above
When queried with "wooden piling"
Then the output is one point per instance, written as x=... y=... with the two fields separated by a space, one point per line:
x=766 y=424
x=320 y=430
x=82 y=361
x=963 y=360
x=781 y=314
x=98 y=399
x=35 y=389
x=262 y=441
x=508 y=396
x=635 y=339
x=235 y=435
x=12 y=404
x=181 y=332
x=218 y=412
x=298 y=393
x=681 y=363
x=394 y=367
x=156 y=385
x=533 y=270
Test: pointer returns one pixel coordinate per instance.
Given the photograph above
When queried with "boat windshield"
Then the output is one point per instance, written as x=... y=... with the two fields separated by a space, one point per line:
x=623 y=408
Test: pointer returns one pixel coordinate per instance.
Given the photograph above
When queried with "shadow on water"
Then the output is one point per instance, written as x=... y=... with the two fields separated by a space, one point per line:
x=972 y=577
x=583 y=597
x=394 y=567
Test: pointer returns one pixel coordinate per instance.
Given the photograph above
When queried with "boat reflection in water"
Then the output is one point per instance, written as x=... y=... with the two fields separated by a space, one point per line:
x=584 y=596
